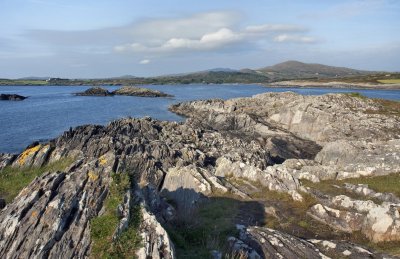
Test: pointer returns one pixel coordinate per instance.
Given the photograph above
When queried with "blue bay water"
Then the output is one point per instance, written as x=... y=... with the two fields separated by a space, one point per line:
x=50 y=110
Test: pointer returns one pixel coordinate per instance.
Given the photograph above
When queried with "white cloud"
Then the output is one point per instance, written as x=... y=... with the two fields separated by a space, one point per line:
x=144 y=62
x=274 y=28
x=294 y=38
x=206 y=32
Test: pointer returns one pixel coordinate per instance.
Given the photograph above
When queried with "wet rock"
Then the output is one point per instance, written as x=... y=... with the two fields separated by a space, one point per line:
x=12 y=97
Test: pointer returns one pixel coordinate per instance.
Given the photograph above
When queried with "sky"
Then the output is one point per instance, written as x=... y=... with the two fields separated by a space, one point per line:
x=107 y=38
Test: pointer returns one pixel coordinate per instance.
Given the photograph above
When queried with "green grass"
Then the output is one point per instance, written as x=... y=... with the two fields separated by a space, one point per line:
x=206 y=229
x=385 y=183
x=389 y=81
x=13 y=180
x=103 y=227
x=357 y=95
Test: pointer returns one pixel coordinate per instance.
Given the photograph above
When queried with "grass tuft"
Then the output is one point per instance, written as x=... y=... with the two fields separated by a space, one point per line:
x=104 y=226
x=13 y=180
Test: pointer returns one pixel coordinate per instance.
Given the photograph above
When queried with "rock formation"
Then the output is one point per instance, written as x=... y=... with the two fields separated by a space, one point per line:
x=247 y=149
x=95 y=91
x=126 y=90
x=138 y=91
x=12 y=97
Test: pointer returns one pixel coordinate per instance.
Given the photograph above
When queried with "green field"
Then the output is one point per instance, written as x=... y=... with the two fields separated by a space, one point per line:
x=389 y=81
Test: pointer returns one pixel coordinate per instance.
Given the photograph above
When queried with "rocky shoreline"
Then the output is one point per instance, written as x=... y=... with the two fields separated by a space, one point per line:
x=283 y=167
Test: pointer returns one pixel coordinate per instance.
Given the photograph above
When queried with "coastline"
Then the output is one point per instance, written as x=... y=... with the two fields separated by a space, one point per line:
x=333 y=84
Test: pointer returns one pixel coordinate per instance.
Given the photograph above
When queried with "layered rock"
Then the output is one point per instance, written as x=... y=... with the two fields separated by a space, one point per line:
x=235 y=148
x=261 y=242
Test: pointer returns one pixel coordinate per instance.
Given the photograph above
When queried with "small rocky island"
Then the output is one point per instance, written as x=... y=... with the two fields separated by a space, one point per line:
x=95 y=91
x=126 y=90
x=12 y=97
x=277 y=175
x=138 y=91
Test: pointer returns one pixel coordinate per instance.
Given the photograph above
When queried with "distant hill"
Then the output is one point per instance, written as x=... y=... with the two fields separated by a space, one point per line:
x=288 y=70
x=34 y=78
x=296 y=70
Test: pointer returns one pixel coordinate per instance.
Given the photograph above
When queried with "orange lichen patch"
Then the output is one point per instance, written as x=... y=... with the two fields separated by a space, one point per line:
x=34 y=213
x=28 y=152
x=102 y=160
x=93 y=176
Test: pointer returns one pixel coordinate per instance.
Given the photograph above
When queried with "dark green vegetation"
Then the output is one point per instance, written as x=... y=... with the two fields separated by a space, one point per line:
x=298 y=70
x=205 y=229
x=14 y=179
x=289 y=70
x=103 y=227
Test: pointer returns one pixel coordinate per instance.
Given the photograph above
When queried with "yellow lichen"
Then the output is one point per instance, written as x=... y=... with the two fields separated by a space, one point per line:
x=28 y=152
x=93 y=176
x=102 y=160
x=34 y=213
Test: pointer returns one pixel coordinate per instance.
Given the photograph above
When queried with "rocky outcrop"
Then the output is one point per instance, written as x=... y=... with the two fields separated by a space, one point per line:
x=323 y=119
x=12 y=97
x=235 y=148
x=126 y=90
x=378 y=222
x=261 y=242
x=95 y=91
x=6 y=160
x=138 y=91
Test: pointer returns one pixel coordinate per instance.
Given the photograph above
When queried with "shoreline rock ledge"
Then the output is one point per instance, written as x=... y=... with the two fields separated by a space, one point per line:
x=258 y=161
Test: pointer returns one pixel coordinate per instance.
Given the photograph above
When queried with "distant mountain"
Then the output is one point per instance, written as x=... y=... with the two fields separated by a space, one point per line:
x=295 y=69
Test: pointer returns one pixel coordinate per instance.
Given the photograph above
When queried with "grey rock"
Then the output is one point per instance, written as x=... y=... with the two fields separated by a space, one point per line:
x=6 y=160
x=138 y=91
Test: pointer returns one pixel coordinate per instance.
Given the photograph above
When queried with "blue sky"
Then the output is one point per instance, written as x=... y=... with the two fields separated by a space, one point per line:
x=82 y=39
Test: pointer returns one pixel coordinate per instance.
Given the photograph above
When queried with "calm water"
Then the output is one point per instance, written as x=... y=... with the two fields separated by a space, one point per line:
x=51 y=110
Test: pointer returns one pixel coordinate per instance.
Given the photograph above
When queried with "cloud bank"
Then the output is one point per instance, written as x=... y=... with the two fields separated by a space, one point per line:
x=206 y=32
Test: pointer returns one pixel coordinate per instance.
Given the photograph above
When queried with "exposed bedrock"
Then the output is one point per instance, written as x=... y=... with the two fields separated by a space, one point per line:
x=238 y=148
